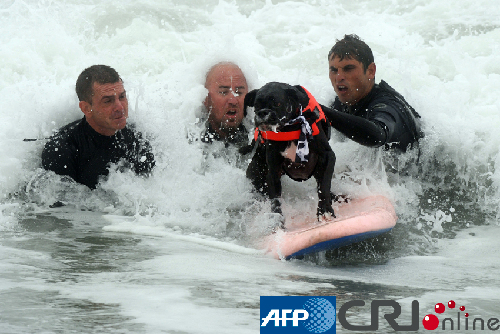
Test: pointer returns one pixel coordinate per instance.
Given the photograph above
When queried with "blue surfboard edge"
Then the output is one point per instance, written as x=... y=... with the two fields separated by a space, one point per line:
x=337 y=243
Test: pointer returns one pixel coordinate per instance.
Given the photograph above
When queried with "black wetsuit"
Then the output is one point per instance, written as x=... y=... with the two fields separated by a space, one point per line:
x=383 y=117
x=78 y=151
x=239 y=138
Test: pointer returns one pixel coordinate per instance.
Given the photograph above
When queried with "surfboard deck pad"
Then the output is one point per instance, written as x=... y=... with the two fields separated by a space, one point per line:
x=355 y=221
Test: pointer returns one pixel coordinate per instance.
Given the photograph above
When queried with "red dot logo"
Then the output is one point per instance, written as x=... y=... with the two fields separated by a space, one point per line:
x=439 y=308
x=430 y=322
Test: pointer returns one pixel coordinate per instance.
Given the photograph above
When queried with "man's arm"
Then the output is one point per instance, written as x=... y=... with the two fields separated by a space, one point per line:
x=58 y=157
x=145 y=160
x=371 y=133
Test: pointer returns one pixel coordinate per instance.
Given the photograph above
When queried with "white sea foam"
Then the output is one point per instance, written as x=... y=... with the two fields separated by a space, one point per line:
x=443 y=56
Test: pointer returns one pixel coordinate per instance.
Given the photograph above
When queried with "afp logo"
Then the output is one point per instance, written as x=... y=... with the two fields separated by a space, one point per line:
x=297 y=314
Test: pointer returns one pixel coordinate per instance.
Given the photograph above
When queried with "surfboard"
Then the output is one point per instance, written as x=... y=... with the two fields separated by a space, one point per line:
x=357 y=220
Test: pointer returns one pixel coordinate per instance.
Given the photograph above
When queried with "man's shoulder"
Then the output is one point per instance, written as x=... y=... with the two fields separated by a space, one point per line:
x=65 y=133
x=383 y=98
x=392 y=97
x=208 y=135
x=392 y=102
x=380 y=92
x=384 y=92
x=60 y=150
x=130 y=132
x=72 y=125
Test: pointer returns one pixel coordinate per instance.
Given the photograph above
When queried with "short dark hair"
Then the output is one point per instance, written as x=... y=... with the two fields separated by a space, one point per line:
x=102 y=74
x=352 y=47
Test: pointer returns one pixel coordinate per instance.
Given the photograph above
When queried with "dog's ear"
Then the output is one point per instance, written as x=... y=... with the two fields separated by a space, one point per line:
x=293 y=99
x=297 y=97
x=249 y=100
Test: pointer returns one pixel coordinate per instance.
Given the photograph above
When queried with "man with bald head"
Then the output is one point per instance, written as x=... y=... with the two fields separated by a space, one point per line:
x=227 y=87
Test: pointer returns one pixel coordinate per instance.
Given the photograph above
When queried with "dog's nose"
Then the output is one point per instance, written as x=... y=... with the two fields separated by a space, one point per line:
x=263 y=114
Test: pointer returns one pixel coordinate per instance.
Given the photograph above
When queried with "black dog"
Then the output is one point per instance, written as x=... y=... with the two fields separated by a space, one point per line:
x=291 y=137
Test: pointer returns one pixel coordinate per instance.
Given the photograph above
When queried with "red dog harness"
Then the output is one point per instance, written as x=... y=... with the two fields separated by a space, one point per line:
x=294 y=135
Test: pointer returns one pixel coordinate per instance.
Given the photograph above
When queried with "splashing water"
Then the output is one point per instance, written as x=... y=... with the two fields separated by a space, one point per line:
x=443 y=56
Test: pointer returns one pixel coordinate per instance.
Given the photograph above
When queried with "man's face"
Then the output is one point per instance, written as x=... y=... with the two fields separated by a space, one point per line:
x=109 y=109
x=349 y=80
x=227 y=88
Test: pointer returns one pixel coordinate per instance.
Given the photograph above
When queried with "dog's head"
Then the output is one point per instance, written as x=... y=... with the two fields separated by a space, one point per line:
x=276 y=104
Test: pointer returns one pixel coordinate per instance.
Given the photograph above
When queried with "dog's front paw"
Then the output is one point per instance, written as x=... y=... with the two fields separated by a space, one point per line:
x=276 y=222
x=276 y=206
x=325 y=212
x=279 y=219
x=279 y=226
x=326 y=217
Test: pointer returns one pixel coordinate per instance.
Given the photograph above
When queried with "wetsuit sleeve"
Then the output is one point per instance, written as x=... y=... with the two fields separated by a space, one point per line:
x=372 y=133
x=58 y=156
x=145 y=160
x=385 y=114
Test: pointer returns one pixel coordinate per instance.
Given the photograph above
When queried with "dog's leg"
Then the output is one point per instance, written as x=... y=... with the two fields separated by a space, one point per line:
x=324 y=180
x=263 y=178
x=273 y=180
x=257 y=171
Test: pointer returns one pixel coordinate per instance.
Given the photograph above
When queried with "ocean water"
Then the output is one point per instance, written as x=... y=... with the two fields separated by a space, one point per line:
x=173 y=253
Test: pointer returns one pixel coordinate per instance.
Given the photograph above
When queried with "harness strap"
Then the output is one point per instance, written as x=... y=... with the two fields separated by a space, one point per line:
x=294 y=135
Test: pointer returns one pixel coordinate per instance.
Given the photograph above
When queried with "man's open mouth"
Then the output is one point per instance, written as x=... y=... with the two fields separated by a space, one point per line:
x=342 y=88
x=231 y=113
